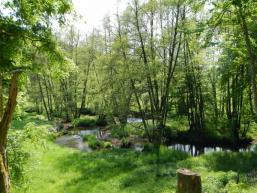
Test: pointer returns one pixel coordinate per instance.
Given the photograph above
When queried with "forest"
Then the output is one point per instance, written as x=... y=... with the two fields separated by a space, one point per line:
x=162 y=86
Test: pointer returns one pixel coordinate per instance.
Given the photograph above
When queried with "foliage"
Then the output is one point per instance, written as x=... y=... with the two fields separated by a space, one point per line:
x=89 y=121
x=95 y=143
x=119 y=131
x=19 y=144
x=84 y=122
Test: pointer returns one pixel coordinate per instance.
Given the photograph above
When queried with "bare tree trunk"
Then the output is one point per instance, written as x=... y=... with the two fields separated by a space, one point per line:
x=4 y=126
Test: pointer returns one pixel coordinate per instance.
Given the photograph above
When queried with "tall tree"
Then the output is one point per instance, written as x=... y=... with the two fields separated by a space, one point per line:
x=29 y=28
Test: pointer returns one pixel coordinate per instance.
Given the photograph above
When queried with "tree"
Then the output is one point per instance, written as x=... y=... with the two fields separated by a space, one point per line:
x=19 y=35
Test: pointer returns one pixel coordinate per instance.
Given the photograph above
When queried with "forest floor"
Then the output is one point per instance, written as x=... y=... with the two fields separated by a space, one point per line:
x=55 y=169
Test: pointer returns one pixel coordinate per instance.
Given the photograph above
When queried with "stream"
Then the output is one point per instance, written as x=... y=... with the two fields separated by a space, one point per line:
x=75 y=140
x=196 y=150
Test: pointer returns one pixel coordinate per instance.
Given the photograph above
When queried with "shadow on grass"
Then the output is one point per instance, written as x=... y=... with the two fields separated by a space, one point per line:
x=97 y=167
x=38 y=120
x=131 y=171
x=243 y=162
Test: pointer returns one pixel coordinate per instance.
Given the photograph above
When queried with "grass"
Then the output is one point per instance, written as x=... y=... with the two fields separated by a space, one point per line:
x=21 y=121
x=54 y=169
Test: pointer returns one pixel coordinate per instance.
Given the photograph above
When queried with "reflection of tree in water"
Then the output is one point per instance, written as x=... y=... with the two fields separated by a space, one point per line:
x=196 y=150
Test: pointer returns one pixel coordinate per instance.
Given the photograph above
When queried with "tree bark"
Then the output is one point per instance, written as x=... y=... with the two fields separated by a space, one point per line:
x=1 y=97
x=4 y=126
x=188 y=181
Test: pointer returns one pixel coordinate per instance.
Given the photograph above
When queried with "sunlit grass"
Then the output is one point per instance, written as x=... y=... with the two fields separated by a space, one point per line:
x=61 y=170
x=54 y=169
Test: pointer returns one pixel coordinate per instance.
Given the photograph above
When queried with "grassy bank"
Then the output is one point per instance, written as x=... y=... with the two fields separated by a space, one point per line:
x=53 y=169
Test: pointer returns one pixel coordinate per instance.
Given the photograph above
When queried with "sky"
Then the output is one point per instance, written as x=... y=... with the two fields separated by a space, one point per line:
x=93 y=11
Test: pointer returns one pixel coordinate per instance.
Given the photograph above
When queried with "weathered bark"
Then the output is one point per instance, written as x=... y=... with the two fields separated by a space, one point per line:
x=188 y=181
x=4 y=126
x=1 y=97
x=4 y=177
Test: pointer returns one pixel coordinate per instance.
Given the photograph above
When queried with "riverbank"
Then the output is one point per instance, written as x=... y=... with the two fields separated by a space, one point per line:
x=65 y=170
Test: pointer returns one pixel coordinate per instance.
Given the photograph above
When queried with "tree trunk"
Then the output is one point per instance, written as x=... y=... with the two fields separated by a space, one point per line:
x=251 y=55
x=188 y=181
x=43 y=98
x=4 y=126
x=1 y=97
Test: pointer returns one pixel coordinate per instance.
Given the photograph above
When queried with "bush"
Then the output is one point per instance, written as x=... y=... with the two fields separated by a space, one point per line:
x=126 y=143
x=86 y=111
x=86 y=122
x=148 y=147
x=17 y=158
x=94 y=143
x=215 y=182
x=31 y=110
x=107 y=144
x=101 y=121
x=19 y=147
x=89 y=122
x=119 y=132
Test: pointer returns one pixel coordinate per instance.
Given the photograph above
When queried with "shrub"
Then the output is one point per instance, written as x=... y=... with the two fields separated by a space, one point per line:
x=148 y=147
x=101 y=121
x=107 y=144
x=94 y=143
x=31 y=110
x=119 y=132
x=126 y=143
x=85 y=122
x=17 y=158
x=86 y=111
x=215 y=182
x=19 y=150
x=89 y=122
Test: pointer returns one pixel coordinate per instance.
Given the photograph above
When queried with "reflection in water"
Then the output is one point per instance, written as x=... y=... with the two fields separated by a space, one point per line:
x=134 y=120
x=73 y=141
x=195 y=150
x=97 y=132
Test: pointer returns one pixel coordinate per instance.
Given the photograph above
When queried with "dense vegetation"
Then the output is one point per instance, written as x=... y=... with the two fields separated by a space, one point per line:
x=185 y=69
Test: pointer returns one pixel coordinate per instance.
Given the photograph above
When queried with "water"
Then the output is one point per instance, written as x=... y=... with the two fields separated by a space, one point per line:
x=73 y=141
x=195 y=150
x=97 y=132
x=134 y=120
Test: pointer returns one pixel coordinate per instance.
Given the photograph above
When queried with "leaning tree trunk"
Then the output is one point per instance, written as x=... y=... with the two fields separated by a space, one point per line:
x=4 y=126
